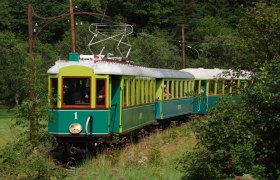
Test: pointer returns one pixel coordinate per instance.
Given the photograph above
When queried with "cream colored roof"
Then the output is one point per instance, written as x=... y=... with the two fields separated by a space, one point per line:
x=201 y=73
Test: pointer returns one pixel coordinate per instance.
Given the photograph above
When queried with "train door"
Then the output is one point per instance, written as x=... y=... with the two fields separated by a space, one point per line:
x=203 y=99
x=200 y=104
x=115 y=115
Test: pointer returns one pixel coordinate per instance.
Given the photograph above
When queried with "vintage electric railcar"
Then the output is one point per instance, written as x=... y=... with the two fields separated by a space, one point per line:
x=93 y=100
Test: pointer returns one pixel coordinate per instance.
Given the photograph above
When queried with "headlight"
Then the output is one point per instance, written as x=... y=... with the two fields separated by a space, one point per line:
x=75 y=128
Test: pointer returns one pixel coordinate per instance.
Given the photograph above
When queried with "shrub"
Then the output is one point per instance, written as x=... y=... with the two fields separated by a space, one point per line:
x=240 y=137
x=20 y=160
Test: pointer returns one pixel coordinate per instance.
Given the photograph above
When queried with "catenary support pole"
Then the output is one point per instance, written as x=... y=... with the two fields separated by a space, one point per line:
x=32 y=94
x=72 y=27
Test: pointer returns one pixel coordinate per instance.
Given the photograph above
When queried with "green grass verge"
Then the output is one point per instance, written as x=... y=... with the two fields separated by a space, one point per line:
x=155 y=157
x=7 y=133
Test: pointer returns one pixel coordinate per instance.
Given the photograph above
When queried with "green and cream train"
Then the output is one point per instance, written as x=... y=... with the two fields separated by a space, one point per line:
x=97 y=99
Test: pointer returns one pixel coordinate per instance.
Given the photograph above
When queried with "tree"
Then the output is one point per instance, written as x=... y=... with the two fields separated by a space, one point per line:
x=155 y=51
x=259 y=29
x=5 y=15
x=144 y=14
x=13 y=69
x=241 y=137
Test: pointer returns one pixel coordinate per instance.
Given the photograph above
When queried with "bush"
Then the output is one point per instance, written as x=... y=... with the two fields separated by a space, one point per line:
x=240 y=137
x=20 y=160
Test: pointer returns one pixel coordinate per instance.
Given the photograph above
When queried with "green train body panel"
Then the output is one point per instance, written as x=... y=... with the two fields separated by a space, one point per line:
x=172 y=108
x=60 y=120
x=115 y=116
x=202 y=105
x=138 y=116
x=213 y=101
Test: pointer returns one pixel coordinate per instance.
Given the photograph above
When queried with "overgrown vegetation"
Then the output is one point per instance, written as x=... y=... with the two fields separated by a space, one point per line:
x=240 y=137
x=154 y=157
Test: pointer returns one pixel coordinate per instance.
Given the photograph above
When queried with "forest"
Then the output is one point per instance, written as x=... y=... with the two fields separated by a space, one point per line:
x=233 y=140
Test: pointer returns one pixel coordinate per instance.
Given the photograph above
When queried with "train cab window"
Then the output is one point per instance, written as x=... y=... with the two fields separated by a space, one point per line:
x=100 y=92
x=76 y=91
x=211 y=87
x=53 y=91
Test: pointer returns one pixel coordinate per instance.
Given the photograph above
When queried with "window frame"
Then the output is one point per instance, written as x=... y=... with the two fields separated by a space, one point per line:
x=103 y=106
x=76 y=106
x=51 y=92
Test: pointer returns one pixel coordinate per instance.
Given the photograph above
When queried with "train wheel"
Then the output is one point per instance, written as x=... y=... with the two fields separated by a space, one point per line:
x=71 y=163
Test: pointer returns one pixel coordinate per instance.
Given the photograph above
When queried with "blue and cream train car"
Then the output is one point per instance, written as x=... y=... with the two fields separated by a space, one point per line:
x=97 y=99
x=211 y=84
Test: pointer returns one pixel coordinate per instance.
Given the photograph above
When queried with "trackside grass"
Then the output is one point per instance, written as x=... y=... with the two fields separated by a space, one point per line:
x=6 y=120
x=154 y=157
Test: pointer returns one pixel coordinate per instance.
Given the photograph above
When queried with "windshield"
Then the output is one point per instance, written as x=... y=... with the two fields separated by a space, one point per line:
x=76 y=91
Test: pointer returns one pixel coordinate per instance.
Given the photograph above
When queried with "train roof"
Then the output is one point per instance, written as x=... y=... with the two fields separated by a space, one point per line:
x=170 y=73
x=201 y=73
x=117 y=68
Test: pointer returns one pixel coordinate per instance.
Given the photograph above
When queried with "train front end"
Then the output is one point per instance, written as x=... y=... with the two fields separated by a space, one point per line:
x=79 y=113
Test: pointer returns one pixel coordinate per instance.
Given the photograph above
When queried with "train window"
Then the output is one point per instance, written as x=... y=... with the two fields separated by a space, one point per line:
x=76 y=91
x=147 y=91
x=165 y=90
x=136 y=92
x=128 y=92
x=100 y=92
x=197 y=86
x=183 y=84
x=187 y=89
x=219 y=87
x=242 y=84
x=144 y=91
x=211 y=87
x=179 y=89
x=227 y=85
x=125 y=93
x=141 y=91
x=175 y=88
x=53 y=91
x=154 y=90
x=234 y=86
x=184 y=89
x=191 y=86
x=150 y=90
x=132 y=92
x=170 y=90
x=203 y=87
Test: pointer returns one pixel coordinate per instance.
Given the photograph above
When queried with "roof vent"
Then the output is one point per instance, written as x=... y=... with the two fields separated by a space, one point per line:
x=73 y=56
